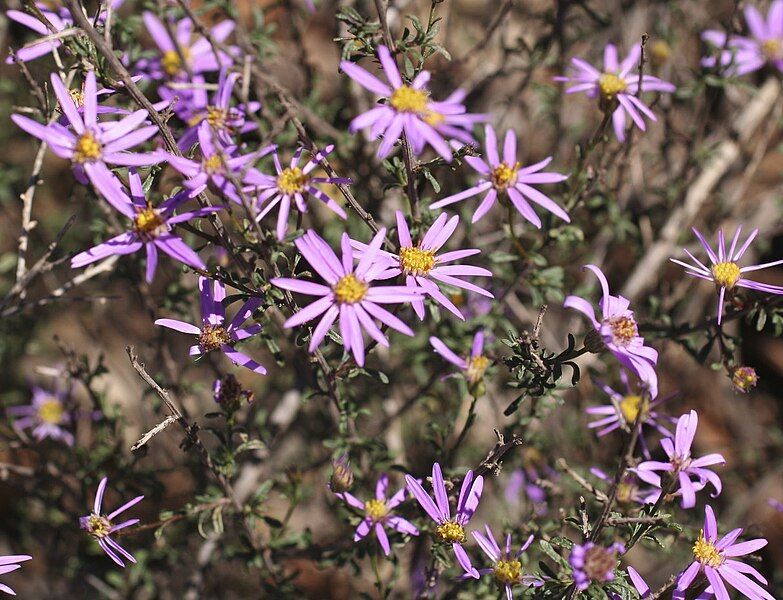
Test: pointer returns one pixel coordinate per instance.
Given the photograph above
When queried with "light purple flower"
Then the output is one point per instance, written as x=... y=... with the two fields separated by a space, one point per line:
x=507 y=177
x=8 y=564
x=506 y=567
x=48 y=415
x=624 y=408
x=218 y=166
x=408 y=110
x=197 y=52
x=150 y=228
x=450 y=530
x=377 y=514
x=638 y=583
x=593 y=563
x=619 y=332
x=472 y=367
x=101 y=527
x=682 y=466
x=293 y=183
x=348 y=294
x=616 y=87
x=454 y=123
x=421 y=263
x=724 y=271
x=740 y=55
x=522 y=484
x=716 y=558
x=213 y=333
x=91 y=145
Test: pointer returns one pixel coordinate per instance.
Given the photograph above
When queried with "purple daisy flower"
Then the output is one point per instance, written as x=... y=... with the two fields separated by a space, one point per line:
x=682 y=466
x=450 y=530
x=593 y=563
x=47 y=415
x=421 y=263
x=92 y=145
x=150 y=229
x=618 y=331
x=213 y=333
x=716 y=558
x=506 y=567
x=224 y=120
x=217 y=166
x=741 y=55
x=625 y=408
x=472 y=367
x=348 y=294
x=616 y=87
x=8 y=564
x=724 y=271
x=101 y=527
x=377 y=514
x=508 y=177
x=293 y=183
x=408 y=109
x=197 y=52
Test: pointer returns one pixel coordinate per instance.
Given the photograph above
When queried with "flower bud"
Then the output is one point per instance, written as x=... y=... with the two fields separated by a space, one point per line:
x=342 y=476
x=744 y=379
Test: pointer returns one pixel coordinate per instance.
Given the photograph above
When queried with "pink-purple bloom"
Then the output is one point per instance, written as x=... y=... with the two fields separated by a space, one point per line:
x=101 y=526
x=8 y=564
x=508 y=177
x=506 y=567
x=593 y=563
x=293 y=183
x=474 y=366
x=724 y=271
x=47 y=415
x=424 y=268
x=151 y=228
x=214 y=334
x=89 y=144
x=619 y=332
x=377 y=514
x=408 y=109
x=617 y=87
x=450 y=530
x=690 y=473
x=738 y=54
x=348 y=294
x=716 y=558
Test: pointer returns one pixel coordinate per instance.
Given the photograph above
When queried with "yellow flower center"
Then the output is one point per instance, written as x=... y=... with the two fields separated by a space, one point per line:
x=216 y=117
x=726 y=274
x=407 y=99
x=504 y=176
x=744 y=379
x=623 y=330
x=172 y=63
x=477 y=365
x=452 y=532
x=77 y=96
x=350 y=289
x=148 y=222
x=212 y=337
x=87 y=149
x=660 y=52
x=433 y=118
x=98 y=526
x=772 y=49
x=631 y=405
x=214 y=164
x=375 y=509
x=611 y=85
x=292 y=180
x=507 y=572
x=706 y=552
x=51 y=411
x=415 y=261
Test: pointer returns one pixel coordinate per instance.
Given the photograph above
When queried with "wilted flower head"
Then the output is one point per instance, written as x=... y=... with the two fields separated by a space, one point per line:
x=378 y=515
x=47 y=415
x=593 y=563
x=508 y=178
x=716 y=558
x=506 y=567
x=616 y=87
x=101 y=526
x=229 y=393
x=724 y=271
x=8 y=564
x=744 y=379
